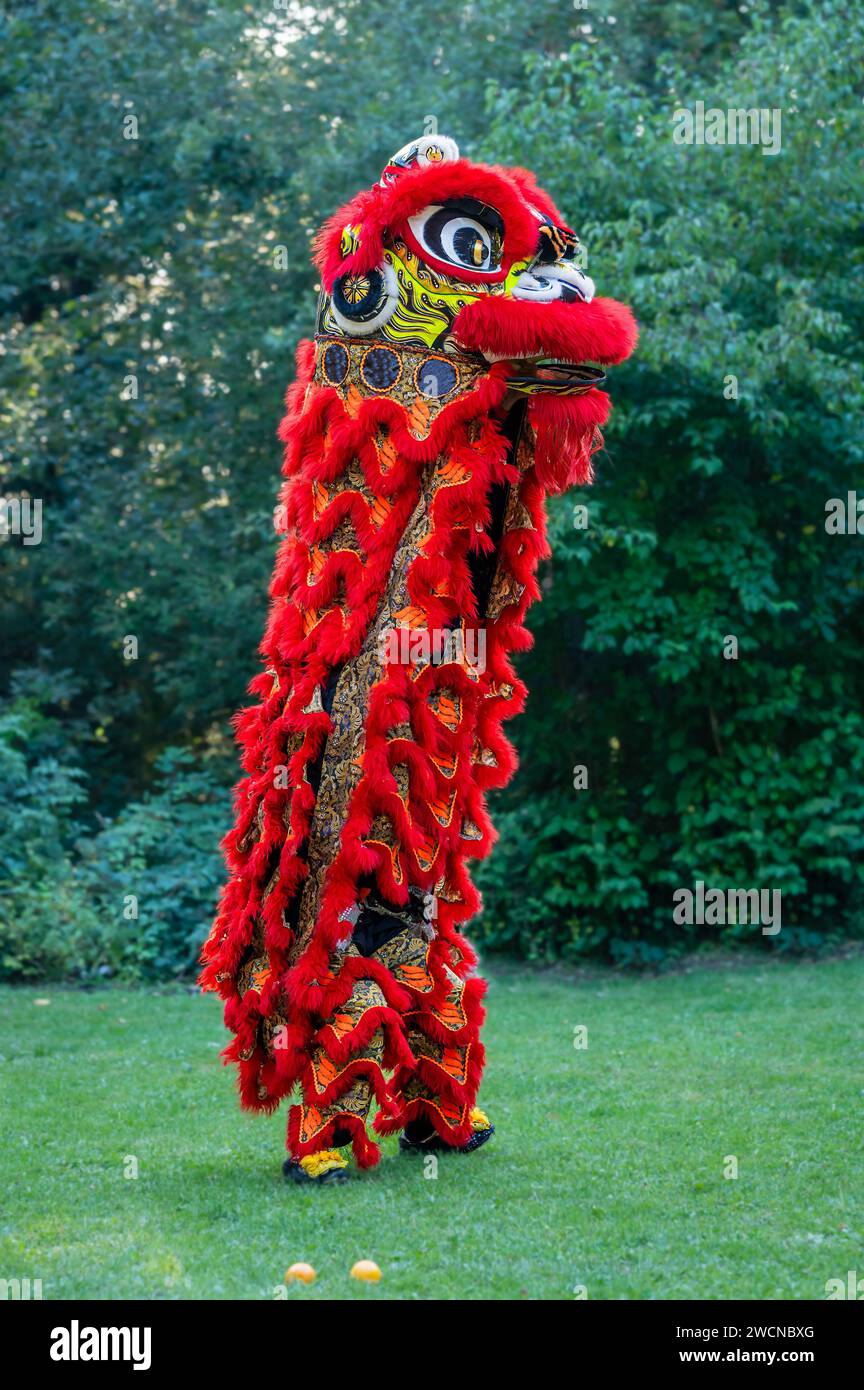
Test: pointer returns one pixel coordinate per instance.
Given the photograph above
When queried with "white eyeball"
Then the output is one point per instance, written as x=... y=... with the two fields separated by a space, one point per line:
x=463 y=233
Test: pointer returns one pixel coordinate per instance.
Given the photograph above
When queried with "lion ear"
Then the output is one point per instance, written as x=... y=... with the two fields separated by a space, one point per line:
x=349 y=242
x=352 y=240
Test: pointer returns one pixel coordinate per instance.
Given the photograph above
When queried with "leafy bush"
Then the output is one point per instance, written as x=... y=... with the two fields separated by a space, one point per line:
x=156 y=870
x=133 y=899
x=47 y=926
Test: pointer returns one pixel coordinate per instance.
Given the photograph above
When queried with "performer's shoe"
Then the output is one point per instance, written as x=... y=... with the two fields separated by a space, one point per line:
x=421 y=1137
x=324 y=1167
x=483 y=1130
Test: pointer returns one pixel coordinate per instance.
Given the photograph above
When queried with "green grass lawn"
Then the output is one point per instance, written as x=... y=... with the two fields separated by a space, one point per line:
x=607 y=1170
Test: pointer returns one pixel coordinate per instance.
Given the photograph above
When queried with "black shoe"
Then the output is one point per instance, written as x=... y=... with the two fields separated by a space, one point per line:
x=293 y=1170
x=421 y=1137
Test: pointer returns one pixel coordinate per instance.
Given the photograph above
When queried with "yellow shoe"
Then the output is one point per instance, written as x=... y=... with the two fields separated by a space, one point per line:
x=483 y=1130
x=328 y=1166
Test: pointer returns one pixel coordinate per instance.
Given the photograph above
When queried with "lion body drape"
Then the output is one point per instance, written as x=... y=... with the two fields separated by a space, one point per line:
x=383 y=507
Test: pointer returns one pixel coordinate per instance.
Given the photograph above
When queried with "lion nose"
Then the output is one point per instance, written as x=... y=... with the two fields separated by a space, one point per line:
x=547 y=283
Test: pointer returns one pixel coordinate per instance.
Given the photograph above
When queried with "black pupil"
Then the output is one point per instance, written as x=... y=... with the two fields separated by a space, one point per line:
x=470 y=247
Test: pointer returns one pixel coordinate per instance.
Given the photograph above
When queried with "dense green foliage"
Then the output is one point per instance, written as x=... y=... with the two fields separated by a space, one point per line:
x=146 y=331
x=629 y=1195
x=708 y=520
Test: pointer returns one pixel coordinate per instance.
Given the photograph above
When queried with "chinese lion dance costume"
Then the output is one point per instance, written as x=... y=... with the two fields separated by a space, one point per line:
x=453 y=381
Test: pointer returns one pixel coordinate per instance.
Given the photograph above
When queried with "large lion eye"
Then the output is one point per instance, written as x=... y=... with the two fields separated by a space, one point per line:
x=466 y=242
x=464 y=233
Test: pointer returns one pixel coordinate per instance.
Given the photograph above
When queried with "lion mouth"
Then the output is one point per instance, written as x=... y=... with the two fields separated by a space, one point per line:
x=559 y=378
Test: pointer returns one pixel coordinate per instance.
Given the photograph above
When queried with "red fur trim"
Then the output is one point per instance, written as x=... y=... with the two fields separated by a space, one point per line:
x=455 y=1136
x=379 y=211
x=366 y=1151
x=602 y=331
x=567 y=432
x=361 y=1067
x=445 y=1086
x=339 y=1049
x=425 y=1019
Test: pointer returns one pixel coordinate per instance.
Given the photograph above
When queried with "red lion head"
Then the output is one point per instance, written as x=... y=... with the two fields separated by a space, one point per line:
x=458 y=258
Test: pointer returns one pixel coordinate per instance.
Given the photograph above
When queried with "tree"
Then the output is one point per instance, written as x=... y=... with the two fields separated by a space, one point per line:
x=164 y=169
x=735 y=423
